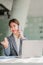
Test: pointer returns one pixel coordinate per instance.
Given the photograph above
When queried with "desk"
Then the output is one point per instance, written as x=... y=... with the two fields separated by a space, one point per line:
x=22 y=60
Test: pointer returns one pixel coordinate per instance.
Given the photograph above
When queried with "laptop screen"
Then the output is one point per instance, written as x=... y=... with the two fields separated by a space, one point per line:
x=32 y=48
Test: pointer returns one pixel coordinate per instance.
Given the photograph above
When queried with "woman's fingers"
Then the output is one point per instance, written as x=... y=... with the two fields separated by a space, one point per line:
x=5 y=43
x=6 y=40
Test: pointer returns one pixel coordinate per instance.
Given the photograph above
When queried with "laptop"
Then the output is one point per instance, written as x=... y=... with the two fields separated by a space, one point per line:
x=32 y=48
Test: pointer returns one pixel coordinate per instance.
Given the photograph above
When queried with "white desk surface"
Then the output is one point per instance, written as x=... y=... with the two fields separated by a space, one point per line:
x=21 y=60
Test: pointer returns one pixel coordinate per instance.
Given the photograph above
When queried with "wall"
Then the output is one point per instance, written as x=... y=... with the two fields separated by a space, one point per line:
x=36 y=8
x=7 y=3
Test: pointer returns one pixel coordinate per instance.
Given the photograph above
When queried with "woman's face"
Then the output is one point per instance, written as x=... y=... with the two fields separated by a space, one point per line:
x=13 y=27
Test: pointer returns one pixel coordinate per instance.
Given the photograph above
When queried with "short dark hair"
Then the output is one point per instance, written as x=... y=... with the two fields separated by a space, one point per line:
x=14 y=21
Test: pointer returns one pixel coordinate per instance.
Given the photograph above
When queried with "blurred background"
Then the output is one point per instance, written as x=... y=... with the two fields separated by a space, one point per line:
x=28 y=12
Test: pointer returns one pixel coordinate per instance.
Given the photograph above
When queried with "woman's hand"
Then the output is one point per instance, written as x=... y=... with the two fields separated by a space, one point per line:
x=5 y=43
x=21 y=34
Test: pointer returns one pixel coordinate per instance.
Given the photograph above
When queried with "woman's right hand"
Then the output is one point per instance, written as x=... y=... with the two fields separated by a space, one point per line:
x=5 y=43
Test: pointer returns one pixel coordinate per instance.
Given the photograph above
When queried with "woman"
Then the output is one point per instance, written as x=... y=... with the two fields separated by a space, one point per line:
x=13 y=44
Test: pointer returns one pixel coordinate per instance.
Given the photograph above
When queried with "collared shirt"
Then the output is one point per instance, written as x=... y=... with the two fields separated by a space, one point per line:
x=17 y=40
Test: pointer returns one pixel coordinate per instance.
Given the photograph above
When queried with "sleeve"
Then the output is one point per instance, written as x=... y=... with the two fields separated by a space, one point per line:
x=7 y=51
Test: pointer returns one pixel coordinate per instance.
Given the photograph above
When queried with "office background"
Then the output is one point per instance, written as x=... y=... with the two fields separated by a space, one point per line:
x=30 y=15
